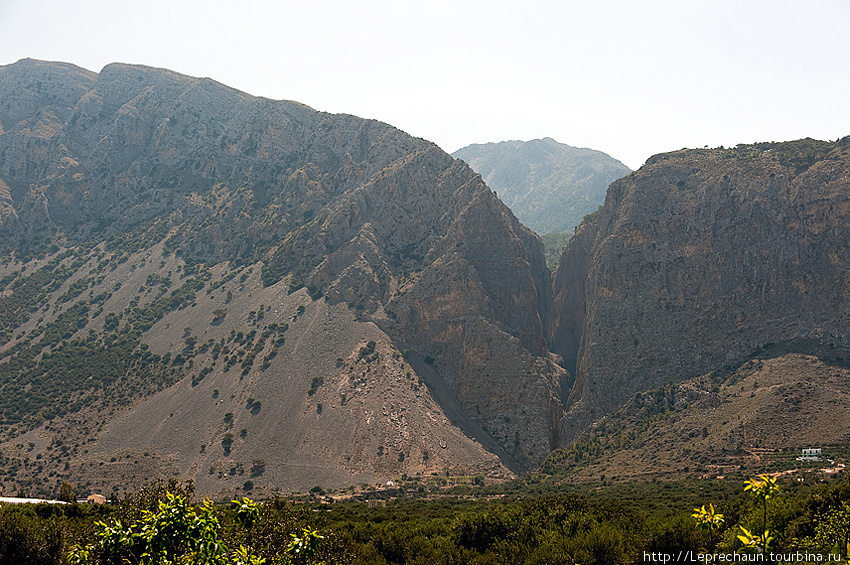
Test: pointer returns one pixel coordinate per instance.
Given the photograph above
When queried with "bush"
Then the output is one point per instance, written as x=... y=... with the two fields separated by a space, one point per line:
x=176 y=532
x=27 y=538
x=227 y=443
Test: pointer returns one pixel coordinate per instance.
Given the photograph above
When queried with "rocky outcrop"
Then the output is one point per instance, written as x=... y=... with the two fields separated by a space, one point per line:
x=550 y=186
x=449 y=272
x=696 y=260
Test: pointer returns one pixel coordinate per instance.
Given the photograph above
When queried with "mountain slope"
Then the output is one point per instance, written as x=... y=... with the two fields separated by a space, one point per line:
x=698 y=259
x=753 y=418
x=161 y=234
x=550 y=186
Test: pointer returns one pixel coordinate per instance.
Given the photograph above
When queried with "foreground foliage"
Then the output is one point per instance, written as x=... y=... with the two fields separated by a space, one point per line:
x=589 y=525
x=176 y=533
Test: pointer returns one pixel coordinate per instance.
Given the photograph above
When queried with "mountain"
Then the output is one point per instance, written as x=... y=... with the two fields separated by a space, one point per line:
x=697 y=260
x=203 y=283
x=548 y=185
x=199 y=283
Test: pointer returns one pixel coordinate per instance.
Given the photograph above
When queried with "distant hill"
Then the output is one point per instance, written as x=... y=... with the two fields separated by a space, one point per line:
x=550 y=186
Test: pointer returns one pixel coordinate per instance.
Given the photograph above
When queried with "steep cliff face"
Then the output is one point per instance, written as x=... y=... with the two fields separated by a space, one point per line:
x=696 y=260
x=174 y=185
x=451 y=274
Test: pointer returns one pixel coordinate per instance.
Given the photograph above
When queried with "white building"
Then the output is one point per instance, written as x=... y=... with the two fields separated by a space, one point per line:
x=15 y=500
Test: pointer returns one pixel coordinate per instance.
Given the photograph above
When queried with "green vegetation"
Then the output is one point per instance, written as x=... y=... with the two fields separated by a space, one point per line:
x=762 y=488
x=258 y=467
x=253 y=406
x=142 y=318
x=368 y=349
x=73 y=372
x=31 y=292
x=503 y=524
x=367 y=354
x=800 y=154
x=161 y=525
x=200 y=376
x=138 y=238
x=227 y=443
x=52 y=373
x=553 y=247
x=176 y=532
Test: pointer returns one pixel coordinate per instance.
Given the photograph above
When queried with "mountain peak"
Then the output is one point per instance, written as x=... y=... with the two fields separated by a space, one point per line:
x=550 y=186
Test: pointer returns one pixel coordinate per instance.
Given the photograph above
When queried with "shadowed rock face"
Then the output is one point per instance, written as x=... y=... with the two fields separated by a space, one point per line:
x=410 y=239
x=696 y=260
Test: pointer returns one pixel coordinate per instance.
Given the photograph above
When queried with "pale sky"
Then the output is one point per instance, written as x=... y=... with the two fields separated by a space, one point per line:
x=628 y=77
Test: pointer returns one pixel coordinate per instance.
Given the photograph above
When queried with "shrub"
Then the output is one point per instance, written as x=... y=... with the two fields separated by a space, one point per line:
x=176 y=532
x=227 y=443
x=315 y=384
x=368 y=349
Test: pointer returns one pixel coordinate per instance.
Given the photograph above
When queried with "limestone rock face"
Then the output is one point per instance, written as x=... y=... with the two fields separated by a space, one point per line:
x=696 y=260
x=132 y=143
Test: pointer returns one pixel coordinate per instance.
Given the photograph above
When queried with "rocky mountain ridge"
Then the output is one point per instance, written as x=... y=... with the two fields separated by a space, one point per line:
x=139 y=201
x=197 y=282
x=698 y=259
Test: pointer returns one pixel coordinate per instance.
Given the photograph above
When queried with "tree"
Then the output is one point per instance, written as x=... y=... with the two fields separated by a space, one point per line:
x=66 y=492
x=832 y=534
x=306 y=545
x=708 y=519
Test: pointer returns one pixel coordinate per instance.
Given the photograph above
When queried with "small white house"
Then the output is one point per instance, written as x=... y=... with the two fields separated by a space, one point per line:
x=811 y=454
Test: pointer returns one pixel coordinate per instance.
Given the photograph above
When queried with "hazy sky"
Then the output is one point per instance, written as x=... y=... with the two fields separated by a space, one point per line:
x=631 y=78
